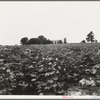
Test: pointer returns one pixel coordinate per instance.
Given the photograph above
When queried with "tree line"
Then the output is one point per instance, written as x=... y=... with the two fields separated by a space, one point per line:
x=40 y=40
x=43 y=40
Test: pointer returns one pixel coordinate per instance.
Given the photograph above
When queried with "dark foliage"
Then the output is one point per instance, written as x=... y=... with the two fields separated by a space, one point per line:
x=47 y=70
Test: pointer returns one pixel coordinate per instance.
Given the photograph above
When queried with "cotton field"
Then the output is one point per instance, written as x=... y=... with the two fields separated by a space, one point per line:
x=50 y=69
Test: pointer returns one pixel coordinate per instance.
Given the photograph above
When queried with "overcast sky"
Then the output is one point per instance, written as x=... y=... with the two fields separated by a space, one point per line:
x=55 y=20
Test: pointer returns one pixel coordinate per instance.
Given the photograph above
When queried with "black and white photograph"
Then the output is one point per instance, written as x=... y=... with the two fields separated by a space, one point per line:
x=50 y=48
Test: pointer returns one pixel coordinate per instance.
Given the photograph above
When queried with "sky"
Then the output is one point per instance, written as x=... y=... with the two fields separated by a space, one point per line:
x=53 y=19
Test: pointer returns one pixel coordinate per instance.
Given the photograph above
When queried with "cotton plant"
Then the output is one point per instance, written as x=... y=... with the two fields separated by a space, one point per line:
x=85 y=82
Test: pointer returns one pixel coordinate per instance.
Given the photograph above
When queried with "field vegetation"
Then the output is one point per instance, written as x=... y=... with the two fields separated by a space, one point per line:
x=50 y=69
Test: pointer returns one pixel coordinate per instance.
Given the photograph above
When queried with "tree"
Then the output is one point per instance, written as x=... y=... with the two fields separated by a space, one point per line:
x=24 y=41
x=83 y=41
x=60 y=42
x=34 y=41
x=49 y=42
x=42 y=39
x=90 y=37
x=65 y=40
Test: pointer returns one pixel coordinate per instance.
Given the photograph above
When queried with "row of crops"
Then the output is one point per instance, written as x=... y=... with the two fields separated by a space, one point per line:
x=47 y=69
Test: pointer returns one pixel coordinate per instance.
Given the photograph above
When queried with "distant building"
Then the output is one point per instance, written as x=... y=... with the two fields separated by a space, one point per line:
x=55 y=41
